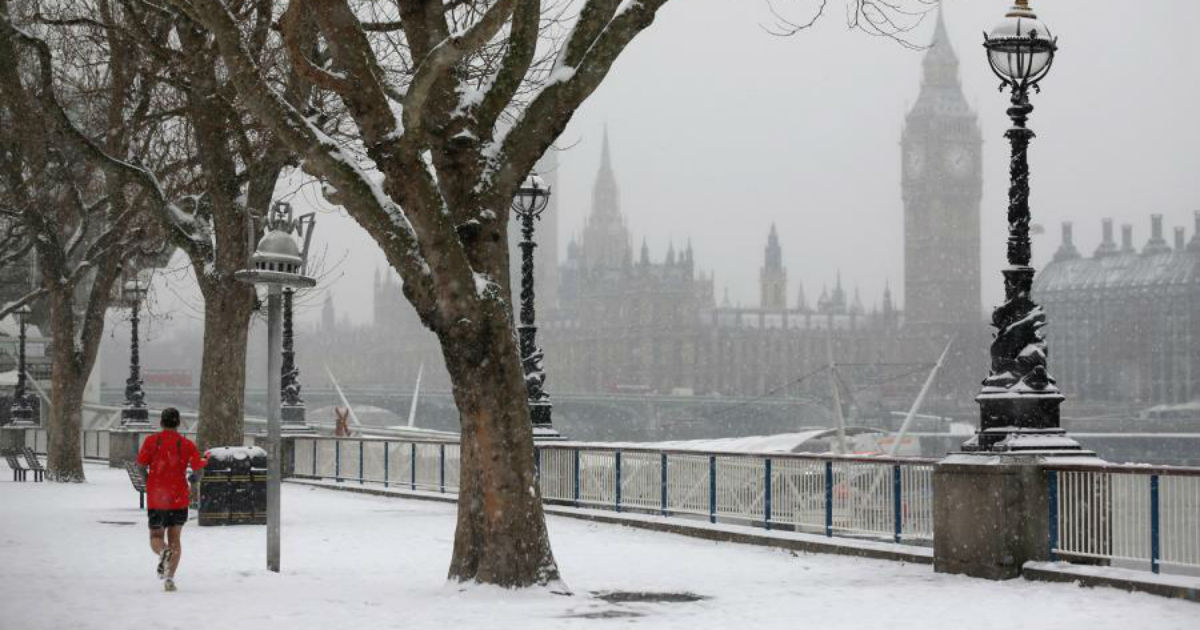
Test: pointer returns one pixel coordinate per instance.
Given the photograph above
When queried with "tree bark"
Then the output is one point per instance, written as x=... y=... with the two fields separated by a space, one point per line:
x=501 y=532
x=64 y=460
x=227 y=309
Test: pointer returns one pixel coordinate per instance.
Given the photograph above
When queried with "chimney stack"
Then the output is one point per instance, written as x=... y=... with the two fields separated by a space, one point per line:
x=1157 y=244
x=1179 y=242
x=1127 y=239
x=1107 y=246
x=1194 y=244
x=1066 y=251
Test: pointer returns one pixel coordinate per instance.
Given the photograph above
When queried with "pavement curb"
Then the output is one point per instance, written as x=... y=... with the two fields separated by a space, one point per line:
x=1173 y=586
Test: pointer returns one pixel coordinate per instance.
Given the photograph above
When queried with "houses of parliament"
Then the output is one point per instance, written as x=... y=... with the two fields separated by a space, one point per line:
x=614 y=319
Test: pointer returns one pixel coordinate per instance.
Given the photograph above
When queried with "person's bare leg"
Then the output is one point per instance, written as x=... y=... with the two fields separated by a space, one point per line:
x=157 y=542
x=174 y=535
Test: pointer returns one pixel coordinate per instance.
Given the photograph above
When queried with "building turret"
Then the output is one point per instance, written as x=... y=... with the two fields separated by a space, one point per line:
x=772 y=275
x=605 y=236
x=1127 y=239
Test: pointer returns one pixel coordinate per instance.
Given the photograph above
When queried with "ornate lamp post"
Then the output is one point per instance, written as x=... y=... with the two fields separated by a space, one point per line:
x=134 y=414
x=292 y=411
x=531 y=199
x=1019 y=400
x=278 y=262
x=21 y=411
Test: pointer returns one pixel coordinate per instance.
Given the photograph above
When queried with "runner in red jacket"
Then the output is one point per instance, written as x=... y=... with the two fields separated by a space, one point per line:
x=167 y=455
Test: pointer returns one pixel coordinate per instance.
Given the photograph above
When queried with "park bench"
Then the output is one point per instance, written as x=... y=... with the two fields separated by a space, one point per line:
x=15 y=464
x=137 y=477
x=35 y=464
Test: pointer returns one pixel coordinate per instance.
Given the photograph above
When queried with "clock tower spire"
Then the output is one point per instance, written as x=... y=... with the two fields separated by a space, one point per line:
x=942 y=182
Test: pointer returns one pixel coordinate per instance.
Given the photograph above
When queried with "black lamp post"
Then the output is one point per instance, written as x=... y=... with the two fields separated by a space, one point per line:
x=20 y=410
x=292 y=411
x=1019 y=400
x=531 y=199
x=134 y=413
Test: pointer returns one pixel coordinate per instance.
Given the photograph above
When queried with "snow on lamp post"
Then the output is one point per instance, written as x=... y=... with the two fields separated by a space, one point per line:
x=279 y=263
x=134 y=414
x=20 y=410
x=528 y=204
x=1019 y=400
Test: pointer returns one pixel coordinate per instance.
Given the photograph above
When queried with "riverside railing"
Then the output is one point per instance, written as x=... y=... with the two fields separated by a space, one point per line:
x=1137 y=516
x=859 y=496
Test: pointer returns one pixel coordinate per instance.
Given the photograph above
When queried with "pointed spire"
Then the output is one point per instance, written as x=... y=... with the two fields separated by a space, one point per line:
x=671 y=253
x=857 y=307
x=801 y=302
x=940 y=63
x=645 y=252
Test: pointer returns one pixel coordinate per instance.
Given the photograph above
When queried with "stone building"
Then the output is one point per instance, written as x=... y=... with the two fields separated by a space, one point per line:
x=1124 y=325
x=616 y=320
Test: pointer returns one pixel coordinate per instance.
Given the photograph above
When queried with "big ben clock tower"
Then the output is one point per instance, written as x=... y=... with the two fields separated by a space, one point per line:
x=942 y=184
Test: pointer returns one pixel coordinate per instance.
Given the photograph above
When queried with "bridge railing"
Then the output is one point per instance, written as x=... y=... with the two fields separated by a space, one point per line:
x=871 y=497
x=1138 y=516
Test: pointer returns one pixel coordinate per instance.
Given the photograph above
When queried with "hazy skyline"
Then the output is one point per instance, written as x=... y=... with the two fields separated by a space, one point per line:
x=719 y=129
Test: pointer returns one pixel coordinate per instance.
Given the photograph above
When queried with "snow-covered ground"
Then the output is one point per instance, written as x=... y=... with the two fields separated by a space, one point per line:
x=75 y=556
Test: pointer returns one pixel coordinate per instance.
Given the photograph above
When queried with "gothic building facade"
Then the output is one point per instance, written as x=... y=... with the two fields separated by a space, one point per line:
x=1123 y=324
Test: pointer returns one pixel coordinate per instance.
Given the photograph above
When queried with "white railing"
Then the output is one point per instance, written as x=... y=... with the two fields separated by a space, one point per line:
x=886 y=498
x=1127 y=515
x=94 y=443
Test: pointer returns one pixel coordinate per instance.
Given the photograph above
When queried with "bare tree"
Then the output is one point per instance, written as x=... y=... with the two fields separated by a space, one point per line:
x=82 y=227
x=219 y=165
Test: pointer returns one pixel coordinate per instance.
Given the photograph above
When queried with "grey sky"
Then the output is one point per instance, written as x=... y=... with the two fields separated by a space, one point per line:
x=718 y=129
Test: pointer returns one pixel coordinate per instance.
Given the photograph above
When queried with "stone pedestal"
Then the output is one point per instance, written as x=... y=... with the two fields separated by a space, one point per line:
x=990 y=514
x=123 y=445
x=292 y=420
x=12 y=438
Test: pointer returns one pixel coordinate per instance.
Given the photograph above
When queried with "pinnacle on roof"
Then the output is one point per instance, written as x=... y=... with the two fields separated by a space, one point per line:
x=940 y=63
x=604 y=193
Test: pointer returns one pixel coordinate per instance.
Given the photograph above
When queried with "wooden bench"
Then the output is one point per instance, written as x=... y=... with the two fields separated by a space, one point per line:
x=137 y=477
x=15 y=464
x=35 y=464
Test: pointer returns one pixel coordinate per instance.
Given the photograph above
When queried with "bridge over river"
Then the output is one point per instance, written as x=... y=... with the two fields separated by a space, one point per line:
x=640 y=417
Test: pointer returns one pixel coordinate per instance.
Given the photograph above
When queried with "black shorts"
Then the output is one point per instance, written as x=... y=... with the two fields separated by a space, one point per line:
x=167 y=518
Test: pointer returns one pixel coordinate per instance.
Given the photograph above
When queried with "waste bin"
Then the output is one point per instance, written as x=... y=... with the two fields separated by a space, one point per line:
x=233 y=488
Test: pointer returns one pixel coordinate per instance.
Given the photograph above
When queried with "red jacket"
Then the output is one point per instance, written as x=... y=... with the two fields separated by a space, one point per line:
x=168 y=455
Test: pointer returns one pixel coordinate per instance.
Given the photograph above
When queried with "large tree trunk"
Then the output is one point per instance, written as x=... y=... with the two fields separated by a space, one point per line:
x=501 y=534
x=64 y=460
x=227 y=310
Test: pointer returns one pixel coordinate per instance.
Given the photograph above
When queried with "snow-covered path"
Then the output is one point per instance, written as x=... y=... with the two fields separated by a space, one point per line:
x=75 y=556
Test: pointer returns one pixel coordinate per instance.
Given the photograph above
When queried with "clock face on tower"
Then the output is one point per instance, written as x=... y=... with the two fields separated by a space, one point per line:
x=958 y=160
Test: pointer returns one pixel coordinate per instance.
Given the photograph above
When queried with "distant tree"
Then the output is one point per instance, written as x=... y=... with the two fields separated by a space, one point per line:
x=82 y=227
x=215 y=165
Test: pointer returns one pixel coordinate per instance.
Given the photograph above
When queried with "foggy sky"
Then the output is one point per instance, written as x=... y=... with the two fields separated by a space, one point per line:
x=719 y=129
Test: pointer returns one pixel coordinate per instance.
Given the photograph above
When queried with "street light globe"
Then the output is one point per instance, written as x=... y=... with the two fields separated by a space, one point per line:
x=1020 y=47
x=532 y=196
x=278 y=251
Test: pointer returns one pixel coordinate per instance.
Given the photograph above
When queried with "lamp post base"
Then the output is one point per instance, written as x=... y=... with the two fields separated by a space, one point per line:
x=135 y=417
x=293 y=420
x=539 y=415
x=1021 y=422
x=22 y=417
